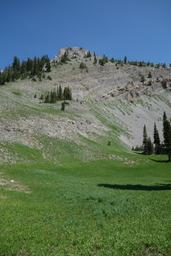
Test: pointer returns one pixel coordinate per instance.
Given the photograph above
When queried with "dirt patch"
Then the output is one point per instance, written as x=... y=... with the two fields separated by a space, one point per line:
x=13 y=185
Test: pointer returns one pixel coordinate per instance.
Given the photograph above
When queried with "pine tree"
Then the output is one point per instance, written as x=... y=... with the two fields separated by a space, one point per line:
x=60 y=93
x=41 y=97
x=149 y=147
x=156 y=140
x=88 y=55
x=16 y=64
x=165 y=128
x=125 y=60
x=69 y=94
x=48 y=67
x=57 y=93
x=167 y=135
x=169 y=144
x=65 y=93
x=95 y=59
x=47 y=98
x=145 y=139
x=51 y=99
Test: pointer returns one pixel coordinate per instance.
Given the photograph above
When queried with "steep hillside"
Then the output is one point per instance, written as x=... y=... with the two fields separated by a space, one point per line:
x=110 y=103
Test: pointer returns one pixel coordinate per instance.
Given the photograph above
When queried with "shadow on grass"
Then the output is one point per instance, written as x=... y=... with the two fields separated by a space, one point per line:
x=137 y=187
x=159 y=161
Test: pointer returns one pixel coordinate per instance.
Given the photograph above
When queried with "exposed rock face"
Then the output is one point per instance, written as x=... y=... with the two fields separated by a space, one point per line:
x=72 y=53
x=106 y=96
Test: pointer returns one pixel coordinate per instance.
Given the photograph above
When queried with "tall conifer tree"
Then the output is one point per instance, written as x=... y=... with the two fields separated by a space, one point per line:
x=156 y=140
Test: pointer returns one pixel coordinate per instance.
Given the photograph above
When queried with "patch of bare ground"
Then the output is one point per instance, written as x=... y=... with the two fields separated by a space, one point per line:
x=24 y=130
x=13 y=185
x=112 y=157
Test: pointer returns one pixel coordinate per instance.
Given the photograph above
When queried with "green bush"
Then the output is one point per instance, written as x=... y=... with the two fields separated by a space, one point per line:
x=83 y=65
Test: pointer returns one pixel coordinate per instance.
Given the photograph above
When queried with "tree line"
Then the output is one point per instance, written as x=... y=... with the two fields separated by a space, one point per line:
x=57 y=94
x=105 y=60
x=102 y=61
x=148 y=147
x=25 y=69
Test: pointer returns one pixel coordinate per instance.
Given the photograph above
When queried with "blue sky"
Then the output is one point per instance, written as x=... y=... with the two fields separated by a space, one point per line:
x=139 y=29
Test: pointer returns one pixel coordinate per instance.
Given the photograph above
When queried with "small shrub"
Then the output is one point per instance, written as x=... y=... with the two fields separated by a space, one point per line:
x=83 y=65
x=49 y=78
x=149 y=83
x=63 y=106
x=34 y=79
x=149 y=75
x=109 y=143
x=164 y=84
x=142 y=79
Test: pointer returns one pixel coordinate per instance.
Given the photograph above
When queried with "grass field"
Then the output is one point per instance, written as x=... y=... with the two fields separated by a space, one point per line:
x=75 y=207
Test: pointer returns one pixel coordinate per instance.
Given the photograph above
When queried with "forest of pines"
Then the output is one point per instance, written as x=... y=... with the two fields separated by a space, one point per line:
x=25 y=69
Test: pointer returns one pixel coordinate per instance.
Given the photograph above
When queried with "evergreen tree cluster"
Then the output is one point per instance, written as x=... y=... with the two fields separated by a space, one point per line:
x=138 y=63
x=57 y=94
x=103 y=61
x=156 y=146
x=88 y=55
x=24 y=69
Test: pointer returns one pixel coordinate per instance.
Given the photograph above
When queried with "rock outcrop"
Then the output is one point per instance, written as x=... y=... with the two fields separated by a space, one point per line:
x=71 y=53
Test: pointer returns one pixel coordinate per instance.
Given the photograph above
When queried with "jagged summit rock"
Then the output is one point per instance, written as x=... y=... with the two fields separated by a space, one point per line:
x=71 y=52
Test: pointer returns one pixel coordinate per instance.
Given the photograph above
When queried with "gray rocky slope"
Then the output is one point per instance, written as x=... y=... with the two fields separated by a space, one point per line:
x=104 y=97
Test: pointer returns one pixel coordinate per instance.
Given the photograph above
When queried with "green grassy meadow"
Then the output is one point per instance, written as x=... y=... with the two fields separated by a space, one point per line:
x=95 y=207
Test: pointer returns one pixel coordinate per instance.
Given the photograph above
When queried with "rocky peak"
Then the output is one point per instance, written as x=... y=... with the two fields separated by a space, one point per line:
x=74 y=52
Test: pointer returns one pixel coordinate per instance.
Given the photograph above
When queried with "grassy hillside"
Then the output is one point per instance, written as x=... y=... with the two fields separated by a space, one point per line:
x=69 y=183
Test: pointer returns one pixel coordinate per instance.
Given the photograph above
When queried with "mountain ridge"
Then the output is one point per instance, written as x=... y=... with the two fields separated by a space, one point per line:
x=110 y=101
